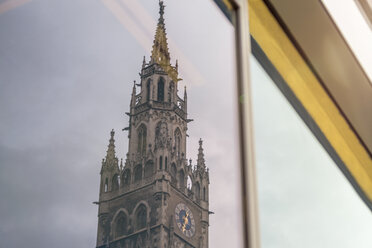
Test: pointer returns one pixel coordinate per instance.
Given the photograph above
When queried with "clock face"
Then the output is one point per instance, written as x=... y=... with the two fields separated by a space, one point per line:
x=185 y=220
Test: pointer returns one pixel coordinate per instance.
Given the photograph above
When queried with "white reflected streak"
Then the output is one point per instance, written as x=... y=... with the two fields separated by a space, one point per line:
x=354 y=29
x=11 y=4
x=143 y=28
x=142 y=16
x=129 y=24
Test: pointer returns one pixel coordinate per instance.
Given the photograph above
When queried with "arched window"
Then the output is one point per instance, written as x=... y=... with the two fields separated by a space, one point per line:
x=106 y=185
x=115 y=182
x=177 y=138
x=126 y=177
x=148 y=90
x=149 y=169
x=166 y=163
x=141 y=217
x=197 y=191
x=142 y=135
x=138 y=173
x=161 y=162
x=189 y=183
x=121 y=225
x=204 y=194
x=174 y=174
x=181 y=180
x=170 y=92
x=161 y=90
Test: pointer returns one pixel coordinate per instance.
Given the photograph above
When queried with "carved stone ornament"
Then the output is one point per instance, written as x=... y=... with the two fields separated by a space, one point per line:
x=141 y=117
x=162 y=139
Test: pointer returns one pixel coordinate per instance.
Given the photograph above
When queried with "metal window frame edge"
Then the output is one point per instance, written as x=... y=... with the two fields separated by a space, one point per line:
x=240 y=20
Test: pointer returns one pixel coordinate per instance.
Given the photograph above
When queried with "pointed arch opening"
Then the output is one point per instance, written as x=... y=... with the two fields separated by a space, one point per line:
x=189 y=183
x=161 y=89
x=161 y=162
x=181 y=180
x=149 y=169
x=171 y=91
x=138 y=173
x=126 y=178
x=142 y=136
x=197 y=191
x=173 y=172
x=115 y=182
x=141 y=217
x=204 y=194
x=148 y=90
x=177 y=139
x=121 y=225
x=105 y=189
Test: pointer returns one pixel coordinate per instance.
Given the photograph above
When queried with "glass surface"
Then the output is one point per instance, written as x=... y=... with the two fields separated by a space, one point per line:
x=354 y=29
x=66 y=77
x=304 y=199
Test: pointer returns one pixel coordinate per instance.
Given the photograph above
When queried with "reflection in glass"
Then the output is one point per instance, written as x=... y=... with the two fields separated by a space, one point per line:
x=66 y=79
x=304 y=199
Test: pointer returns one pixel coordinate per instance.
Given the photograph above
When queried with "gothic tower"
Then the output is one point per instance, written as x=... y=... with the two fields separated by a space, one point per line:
x=156 y=199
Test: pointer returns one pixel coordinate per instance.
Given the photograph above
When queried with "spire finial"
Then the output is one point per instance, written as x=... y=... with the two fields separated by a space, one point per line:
x=161 y=11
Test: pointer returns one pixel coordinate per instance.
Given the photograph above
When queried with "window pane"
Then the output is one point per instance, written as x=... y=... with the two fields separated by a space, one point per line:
x=304 y=199
x=69 y=74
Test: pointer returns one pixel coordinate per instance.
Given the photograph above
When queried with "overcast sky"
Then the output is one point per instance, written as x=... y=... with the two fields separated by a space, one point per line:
x=66 y=73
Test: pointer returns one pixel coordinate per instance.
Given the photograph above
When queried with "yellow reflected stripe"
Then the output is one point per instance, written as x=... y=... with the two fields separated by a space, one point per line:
x=303 y=83
x=228 y=4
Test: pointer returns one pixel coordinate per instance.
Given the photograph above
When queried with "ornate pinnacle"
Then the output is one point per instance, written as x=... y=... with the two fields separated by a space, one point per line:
x=201 y=160
x=133 y=100
x=110 y=156
x=185 y=100
x=144 y=62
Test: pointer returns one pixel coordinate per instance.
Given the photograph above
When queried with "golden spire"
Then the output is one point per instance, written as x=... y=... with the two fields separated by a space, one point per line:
x=160 y=52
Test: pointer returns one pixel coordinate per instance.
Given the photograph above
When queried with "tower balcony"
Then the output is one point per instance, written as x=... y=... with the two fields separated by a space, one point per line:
x=178 y=108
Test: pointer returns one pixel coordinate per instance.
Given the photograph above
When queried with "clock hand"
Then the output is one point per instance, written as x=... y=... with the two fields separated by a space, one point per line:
x=186 y=221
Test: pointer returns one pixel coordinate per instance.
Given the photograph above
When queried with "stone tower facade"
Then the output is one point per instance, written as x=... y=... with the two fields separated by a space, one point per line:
x=156 y=198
